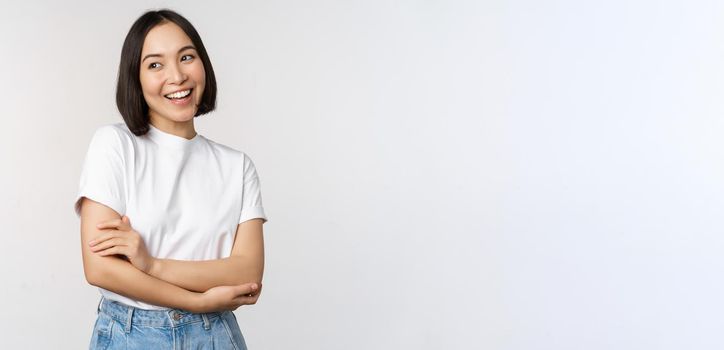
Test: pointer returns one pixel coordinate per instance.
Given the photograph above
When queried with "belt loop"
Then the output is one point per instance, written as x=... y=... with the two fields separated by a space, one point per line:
x=128 y=320
x=206 y=322
x=98 y=309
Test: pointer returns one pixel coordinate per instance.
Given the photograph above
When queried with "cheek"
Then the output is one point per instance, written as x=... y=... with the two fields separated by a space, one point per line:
x=150 y=85
x=198 y=73
x=146 y=88
x=199 y=89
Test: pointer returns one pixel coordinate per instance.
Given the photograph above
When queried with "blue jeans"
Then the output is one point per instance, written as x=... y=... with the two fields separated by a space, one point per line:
x=120 y=326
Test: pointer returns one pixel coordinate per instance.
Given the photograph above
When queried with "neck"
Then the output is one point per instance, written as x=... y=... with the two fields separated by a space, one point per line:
x=182 y=129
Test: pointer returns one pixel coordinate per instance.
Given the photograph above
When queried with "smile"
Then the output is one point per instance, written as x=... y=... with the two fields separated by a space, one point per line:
x=178 y=94
x=180 y=97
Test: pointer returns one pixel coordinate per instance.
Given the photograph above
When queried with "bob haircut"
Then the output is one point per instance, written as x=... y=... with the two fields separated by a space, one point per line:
x=129 y=96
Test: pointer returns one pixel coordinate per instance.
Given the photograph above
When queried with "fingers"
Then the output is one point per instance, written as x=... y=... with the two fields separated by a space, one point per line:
x=119 y=249
x=109 y=223
x=250 y=294
x=102 y=237
x=256 y=292
x=98 y=246
x=245 y=289
x=123 y=222
x=246 y=300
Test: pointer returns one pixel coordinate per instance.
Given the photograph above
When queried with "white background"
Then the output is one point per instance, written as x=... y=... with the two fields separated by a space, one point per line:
x=437 y=174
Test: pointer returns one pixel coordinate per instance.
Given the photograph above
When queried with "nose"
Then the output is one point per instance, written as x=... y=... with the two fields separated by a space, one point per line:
x=176 y=74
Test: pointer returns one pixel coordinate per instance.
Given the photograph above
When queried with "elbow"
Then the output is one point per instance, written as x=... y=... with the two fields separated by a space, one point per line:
x=95 y=276
x=250 y=278
x=101 y=272
x=248 y=271
x=91 y=279
x=257 y=275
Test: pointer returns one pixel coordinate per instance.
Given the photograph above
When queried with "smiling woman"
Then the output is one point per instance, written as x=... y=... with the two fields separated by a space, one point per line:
x=164 y=55
x=171 y=222
x=172 y=79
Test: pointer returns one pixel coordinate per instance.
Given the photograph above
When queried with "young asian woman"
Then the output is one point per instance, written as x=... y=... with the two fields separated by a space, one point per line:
x=171 y=221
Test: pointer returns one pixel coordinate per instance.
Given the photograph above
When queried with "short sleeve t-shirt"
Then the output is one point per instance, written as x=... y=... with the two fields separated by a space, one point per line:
x=184 y=197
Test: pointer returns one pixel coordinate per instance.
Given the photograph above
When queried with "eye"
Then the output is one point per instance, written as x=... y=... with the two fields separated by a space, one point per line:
x=151 y=66
x=189 y=56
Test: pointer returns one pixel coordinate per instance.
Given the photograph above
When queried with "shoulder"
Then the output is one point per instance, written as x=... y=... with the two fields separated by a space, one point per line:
x=228 y=150
x=112 y=131
x=242 y=159
x=112 y=136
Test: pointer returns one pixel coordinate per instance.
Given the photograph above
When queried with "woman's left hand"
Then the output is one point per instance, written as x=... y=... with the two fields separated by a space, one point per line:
x=122 y=239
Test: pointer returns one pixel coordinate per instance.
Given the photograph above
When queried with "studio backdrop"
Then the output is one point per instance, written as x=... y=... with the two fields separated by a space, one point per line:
x=495 y=174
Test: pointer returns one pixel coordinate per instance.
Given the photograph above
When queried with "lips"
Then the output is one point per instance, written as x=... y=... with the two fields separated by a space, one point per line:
x=180 y=101
x=181 y=94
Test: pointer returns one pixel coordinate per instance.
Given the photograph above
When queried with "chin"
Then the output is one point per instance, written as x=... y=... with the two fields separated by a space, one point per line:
x=182 y=115
x=185 y=118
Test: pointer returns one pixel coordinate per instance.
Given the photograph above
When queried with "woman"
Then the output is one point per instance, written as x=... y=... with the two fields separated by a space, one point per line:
x=194 y=251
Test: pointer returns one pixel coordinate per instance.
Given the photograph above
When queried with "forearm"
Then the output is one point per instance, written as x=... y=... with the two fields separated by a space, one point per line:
x=119 y=276
x=199 y=276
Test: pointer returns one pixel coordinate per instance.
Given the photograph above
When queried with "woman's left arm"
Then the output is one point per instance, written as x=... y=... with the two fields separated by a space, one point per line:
x=244 y=265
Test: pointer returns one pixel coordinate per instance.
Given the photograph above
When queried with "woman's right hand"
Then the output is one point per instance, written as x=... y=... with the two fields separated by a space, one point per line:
x=223 y=298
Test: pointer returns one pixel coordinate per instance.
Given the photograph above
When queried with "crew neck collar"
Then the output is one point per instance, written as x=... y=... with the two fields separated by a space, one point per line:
x=170 y=140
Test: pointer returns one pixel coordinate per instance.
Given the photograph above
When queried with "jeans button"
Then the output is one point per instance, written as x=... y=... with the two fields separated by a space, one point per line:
x=177 y=317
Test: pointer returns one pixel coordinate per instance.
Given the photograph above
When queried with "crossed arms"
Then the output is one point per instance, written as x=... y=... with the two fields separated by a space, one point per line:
x=189 y=285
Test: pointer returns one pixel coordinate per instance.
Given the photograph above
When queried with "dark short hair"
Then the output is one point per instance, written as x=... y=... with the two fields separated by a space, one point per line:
x=129 y=96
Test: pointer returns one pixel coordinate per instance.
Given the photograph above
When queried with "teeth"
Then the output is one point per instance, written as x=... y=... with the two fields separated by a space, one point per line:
x=180 y=94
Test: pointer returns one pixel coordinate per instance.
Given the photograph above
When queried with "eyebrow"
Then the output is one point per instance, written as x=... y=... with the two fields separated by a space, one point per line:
x=159 y=55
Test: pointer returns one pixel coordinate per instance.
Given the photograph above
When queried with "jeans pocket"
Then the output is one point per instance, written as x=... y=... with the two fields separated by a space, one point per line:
x=102 y=332
x=232 y=327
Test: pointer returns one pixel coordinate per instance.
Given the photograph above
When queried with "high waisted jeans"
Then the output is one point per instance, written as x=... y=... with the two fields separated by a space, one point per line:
x=120 y=326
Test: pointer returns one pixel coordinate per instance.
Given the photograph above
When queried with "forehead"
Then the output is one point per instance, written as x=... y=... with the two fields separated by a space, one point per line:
x=165 y=38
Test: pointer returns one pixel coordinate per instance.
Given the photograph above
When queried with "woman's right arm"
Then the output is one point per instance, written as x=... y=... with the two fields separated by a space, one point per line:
x=119 y=276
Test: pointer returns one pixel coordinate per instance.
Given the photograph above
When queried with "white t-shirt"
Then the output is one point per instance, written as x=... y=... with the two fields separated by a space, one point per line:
x=184 y=197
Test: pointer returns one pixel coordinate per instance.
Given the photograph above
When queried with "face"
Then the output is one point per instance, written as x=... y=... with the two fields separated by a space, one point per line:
x=172 y=74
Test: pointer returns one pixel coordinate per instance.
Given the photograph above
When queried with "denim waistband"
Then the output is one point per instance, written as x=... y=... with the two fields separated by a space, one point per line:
x=129 y=315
